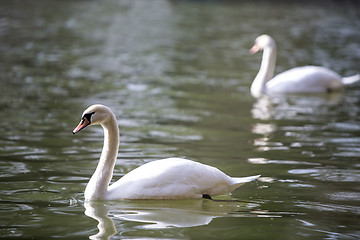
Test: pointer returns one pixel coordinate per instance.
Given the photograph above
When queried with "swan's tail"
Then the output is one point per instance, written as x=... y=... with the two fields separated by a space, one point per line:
x=351 y=79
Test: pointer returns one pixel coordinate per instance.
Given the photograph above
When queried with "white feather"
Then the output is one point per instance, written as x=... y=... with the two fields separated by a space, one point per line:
x=307 y=79
x=171 y=178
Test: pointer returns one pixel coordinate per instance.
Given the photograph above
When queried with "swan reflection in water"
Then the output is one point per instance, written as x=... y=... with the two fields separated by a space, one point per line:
x=308 y=123
x=290 y=109
x=295 y=106
x=99 y=212
x=164 y=214
x=292 y=114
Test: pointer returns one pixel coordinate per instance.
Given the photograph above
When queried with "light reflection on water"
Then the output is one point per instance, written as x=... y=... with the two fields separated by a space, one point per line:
x=177 y=75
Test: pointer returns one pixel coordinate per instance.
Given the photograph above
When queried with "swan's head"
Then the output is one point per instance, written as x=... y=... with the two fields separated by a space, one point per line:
x=93 y=115
x=262 y=42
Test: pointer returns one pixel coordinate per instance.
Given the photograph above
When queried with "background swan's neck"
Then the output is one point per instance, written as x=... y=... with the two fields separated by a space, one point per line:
x=99 y=182
x=266 y=71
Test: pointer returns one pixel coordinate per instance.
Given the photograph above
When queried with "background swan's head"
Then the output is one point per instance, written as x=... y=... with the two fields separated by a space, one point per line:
x=262 y=42
x=95 y=114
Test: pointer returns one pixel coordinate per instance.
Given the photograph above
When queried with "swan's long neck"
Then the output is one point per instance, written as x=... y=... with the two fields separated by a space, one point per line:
x=99 y=182
x=266 y=71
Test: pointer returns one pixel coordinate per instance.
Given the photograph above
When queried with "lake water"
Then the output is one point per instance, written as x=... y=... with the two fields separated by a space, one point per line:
x=177 y=75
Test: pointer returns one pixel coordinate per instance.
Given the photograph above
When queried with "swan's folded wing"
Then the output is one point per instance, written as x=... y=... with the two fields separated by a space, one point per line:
x=173 y=178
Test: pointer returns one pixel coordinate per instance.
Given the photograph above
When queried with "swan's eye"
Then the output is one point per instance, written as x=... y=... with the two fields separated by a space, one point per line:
x=87 y=116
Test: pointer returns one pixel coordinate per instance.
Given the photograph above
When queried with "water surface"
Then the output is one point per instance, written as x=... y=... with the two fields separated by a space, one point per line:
x=177 y=75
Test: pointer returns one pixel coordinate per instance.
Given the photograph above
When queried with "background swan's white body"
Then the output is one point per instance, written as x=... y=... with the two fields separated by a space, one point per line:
x=307 y=79
x=304 y=79
x=171 y=178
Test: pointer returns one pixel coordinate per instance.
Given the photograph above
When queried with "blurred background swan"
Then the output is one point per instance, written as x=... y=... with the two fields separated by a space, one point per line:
x=307 y=79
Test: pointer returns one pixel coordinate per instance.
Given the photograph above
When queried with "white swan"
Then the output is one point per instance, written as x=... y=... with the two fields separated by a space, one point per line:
x=297 y=80
x=171 y=178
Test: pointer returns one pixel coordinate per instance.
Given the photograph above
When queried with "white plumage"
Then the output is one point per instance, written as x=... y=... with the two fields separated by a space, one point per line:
x=174 y=178
x=171 y=178
x=307 y=79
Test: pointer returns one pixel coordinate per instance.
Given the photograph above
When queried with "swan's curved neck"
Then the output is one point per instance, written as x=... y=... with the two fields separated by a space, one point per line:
x=99 y=182
x=266 y=71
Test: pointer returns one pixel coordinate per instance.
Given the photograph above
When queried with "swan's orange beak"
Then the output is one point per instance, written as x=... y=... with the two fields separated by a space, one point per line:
x=254 y=49
x=83 y=123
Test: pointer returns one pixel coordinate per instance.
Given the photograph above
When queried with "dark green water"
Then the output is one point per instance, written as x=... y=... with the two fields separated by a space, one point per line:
x=177 y=75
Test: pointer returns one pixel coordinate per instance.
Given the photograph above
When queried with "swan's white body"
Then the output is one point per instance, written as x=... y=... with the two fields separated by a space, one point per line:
x=171 y=178
x=309 y=79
